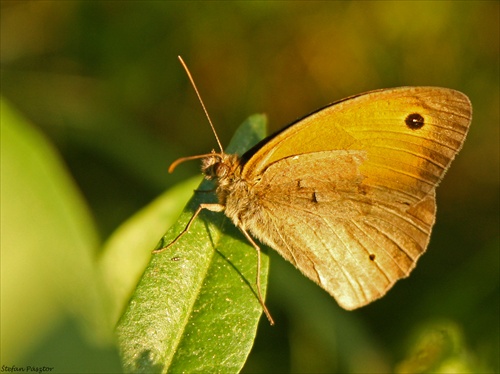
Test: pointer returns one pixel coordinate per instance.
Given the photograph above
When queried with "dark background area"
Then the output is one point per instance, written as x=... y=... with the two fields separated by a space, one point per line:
x=102 y=81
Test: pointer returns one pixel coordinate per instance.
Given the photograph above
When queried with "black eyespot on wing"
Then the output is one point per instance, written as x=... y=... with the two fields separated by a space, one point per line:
x=414 y=121
x=372 y=257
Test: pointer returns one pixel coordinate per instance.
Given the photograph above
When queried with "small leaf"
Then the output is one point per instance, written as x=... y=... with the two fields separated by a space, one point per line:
x=195 y=308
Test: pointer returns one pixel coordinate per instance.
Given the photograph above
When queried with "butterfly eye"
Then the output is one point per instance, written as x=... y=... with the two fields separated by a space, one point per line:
x=209 y=166
x=220 y=169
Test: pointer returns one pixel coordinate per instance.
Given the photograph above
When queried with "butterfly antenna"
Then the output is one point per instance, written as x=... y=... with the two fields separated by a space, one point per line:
x=201 y=101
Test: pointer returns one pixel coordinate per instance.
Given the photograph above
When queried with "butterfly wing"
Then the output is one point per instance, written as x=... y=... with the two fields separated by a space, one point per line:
x=347 y=194
x=399 y=156
x=353 y=241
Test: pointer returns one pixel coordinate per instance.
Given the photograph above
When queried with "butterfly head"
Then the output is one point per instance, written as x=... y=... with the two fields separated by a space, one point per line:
x=220 y=166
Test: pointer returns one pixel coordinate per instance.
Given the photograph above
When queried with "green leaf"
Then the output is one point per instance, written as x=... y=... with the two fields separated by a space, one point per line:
x=48 y=246
x=195 y=308
x=127 y=252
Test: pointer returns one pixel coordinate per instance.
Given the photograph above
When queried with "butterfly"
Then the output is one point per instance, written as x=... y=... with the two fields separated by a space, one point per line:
x=347 y=194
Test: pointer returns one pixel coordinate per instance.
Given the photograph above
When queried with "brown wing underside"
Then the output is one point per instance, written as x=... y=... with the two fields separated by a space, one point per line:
x=353 y=239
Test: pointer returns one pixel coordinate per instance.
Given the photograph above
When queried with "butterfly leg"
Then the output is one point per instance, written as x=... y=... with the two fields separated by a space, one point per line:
x=211 y=207
x=259 y=293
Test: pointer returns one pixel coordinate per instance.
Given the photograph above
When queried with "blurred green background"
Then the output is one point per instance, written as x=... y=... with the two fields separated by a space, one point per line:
x=101 y=81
